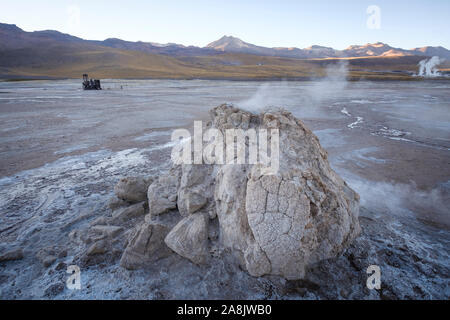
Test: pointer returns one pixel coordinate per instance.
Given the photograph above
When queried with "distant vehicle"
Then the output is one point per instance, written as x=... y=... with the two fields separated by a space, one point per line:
x=91 y=84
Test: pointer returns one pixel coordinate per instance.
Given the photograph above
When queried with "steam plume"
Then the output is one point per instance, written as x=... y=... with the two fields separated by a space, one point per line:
x=427 y=67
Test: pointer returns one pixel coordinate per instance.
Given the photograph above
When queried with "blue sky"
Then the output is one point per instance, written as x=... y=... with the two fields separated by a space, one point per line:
x=338 y=24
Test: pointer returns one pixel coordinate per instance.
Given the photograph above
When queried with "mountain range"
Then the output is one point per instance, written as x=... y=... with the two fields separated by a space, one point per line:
x=232 y=44
x=54 y=53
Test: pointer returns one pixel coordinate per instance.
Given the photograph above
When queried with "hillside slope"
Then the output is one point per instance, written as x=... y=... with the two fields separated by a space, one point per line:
x=50 y=54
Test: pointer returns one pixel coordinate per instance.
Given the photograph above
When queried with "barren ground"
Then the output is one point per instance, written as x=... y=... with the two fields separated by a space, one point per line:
x=62 y=150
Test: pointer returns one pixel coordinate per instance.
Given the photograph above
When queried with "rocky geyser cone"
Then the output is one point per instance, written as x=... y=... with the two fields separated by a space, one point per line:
x=273 y=224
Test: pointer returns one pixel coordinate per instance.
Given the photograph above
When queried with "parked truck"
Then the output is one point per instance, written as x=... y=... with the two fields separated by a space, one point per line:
x=91 y=84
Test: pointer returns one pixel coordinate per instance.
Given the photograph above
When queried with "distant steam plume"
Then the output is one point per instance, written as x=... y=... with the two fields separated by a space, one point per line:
x=427 y=67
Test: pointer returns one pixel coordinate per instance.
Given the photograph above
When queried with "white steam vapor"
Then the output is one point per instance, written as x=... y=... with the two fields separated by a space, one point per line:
x=427 y=67
x=267 y=95
x=303 y=100
x=332 y=85
x=403 y=199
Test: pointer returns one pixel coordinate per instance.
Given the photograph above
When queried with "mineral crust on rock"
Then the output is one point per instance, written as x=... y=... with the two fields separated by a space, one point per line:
x=189 y=238
x=146 y=246
x=162 y=194
x=132 y=189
